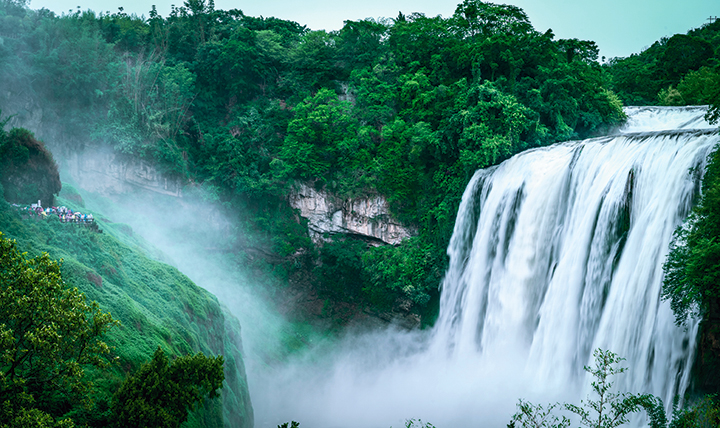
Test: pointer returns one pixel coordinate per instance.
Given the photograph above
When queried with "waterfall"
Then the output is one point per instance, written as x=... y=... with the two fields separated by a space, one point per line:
x=556 y=252
x=559 y=251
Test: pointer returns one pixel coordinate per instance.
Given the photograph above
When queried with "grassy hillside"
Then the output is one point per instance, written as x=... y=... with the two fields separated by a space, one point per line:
x=156 y=304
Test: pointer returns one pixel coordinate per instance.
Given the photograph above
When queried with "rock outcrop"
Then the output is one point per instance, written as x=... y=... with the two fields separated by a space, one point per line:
x=28 y=172
x=103 y=171
x=366 y=218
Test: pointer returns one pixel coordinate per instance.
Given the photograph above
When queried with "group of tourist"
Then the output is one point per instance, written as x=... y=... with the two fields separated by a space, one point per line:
x=66 y=215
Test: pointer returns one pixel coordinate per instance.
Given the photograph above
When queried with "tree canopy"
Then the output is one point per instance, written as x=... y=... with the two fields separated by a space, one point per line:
x=28 y=172
x=49 y=337
x=161 y=393
x=407 y=108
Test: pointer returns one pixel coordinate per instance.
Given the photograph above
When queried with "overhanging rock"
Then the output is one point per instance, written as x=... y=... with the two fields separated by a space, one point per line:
x=367 y=218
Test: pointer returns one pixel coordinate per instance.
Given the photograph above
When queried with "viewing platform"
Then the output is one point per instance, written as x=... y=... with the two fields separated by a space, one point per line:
x=62 y=213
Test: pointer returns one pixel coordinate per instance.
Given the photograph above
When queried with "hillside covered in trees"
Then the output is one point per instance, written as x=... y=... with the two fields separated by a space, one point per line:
x=407 y=108
x=87 y=317
x=243 y=108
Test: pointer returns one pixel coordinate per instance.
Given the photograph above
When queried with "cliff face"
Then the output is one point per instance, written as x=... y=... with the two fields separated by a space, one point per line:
x=28 y=172
x=367 y=218
x=105 y=172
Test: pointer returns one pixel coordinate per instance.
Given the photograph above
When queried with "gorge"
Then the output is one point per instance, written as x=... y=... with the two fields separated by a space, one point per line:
x=419 y=217
x=556 y=252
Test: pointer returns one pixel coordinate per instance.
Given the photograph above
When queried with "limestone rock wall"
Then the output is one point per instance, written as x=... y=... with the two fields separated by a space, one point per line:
x=329 y=215
x=105 y=172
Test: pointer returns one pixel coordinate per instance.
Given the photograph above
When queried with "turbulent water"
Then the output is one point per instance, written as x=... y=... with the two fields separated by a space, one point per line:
x=559 y=251
x=556 y=252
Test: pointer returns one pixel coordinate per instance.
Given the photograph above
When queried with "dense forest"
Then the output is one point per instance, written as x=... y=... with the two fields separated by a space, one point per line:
x=407 y=108
x=244 y=108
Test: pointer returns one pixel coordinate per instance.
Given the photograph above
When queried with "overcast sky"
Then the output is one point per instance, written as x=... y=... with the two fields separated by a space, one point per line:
x=619 y=27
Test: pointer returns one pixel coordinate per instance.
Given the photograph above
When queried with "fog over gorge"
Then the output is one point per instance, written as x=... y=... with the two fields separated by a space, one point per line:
x=465 y=369
x=419 y=221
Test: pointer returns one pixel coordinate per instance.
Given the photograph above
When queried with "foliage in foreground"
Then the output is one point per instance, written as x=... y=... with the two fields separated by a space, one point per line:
x=609 y=409
x=55 y=362
x=704 y=413
x=49 y=337
x=162 y=393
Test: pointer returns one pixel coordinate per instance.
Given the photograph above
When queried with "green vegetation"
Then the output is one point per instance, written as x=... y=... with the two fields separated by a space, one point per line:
x=245 y=107
x=407 y=108
x=28 y=172
x=609 y=409
x=692 y=269
x=680 y=70
x=413 y=423
x=161 y=393
x=156 y=305
x=53 y=350
x=49 y=338
x=704 y=413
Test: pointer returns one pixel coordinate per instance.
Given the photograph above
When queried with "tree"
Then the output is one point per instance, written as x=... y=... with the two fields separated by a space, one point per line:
x=684 y=53
x=360 y=43
x=28 y=171
x=692 y=268
x=609 y=410
x=485 y=19
x=162 y=393
x=322 y=139
x=49 y=335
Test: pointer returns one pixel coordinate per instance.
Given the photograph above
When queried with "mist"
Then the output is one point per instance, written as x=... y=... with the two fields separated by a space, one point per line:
x=494 y=342
x=384 y=378
x=370 y=376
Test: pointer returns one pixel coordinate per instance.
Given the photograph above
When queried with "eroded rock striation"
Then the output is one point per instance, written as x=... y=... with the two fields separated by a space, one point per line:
x=108 y=173
x=367 y=218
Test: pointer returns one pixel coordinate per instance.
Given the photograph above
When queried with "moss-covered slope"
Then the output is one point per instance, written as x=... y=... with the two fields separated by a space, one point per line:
x=156 y=304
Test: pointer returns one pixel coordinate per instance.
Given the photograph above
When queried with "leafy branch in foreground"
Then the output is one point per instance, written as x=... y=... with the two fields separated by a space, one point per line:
x=611 y=409
x=49 y=336
x=161 y=392
x=608 y=410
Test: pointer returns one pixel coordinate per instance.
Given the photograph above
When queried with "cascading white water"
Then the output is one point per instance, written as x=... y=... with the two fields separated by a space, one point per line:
x=559 y=251
x=556 y=252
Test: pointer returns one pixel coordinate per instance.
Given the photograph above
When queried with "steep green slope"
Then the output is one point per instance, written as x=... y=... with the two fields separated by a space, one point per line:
x=156 y=304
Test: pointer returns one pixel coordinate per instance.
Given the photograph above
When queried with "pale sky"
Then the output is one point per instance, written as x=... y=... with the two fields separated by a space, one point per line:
x=619 y=27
